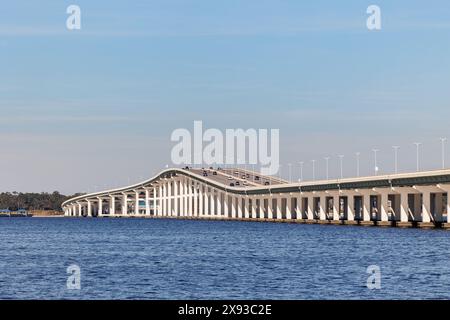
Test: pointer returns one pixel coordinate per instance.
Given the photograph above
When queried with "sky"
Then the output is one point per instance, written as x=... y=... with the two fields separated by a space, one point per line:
x=84 y=110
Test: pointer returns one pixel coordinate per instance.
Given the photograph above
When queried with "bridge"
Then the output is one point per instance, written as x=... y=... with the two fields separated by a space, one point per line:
x=418 y=199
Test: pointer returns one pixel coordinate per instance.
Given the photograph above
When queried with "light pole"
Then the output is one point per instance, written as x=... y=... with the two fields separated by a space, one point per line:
x=326 y=164
x=375 y=160
x=443 y=140
x=290 y=172
x=417 y=144
x=313 y=169
x=301 y=170
x=279 y=172
x=357 y=163
x=395 y=158
x=341 y=157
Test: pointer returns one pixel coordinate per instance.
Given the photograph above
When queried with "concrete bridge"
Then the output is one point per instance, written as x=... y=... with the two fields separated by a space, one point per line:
x=417 y=199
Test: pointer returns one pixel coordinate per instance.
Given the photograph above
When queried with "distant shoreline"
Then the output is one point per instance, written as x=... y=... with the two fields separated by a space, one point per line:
x=46 y=214
x=34 y=214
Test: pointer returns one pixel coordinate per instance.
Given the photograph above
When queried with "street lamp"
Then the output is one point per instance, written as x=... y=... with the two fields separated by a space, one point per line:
x=341 y=157
x=357 y=163
x=443 y=140
x=395 y=158
x=417 y=144
x=290 y=172
x=301 y=170
x=375 y=160
x=326 y=162
x=313 y=169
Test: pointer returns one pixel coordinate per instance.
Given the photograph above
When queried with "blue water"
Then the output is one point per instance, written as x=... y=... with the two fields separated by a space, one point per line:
x=176 y=259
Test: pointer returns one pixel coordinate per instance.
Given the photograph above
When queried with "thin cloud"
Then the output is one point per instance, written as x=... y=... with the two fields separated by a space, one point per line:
x=64 y=118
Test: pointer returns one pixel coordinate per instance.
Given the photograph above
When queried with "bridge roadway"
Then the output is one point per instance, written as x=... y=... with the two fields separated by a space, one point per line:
x=227 y=176
x=419 y=199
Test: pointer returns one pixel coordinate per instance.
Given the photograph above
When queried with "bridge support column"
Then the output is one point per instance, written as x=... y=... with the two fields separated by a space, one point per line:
x=239 y=207
x=136 y=202
x=154 y=201
x=201 y=199
x=254 y=208
x=299 y=208
x=159 y=209
x=446 y=189
x=288 y=207
x=322 y=207
x=384 y=206
x=187 y=198
x=124 y=204
x=89 y=208
x=426 y=206
x=351 y=207
x=438 y=206
x=233 y=207
x=184 y=198
x=225 y=205
x=219 y=204
x=404 y=207
x=112 y=205
x=366 y=207
x=191 y=198
x=180 y=197
x=162 y=199
x=278 y=207
x=217 y=207
x=336 y=216
x=427 y=215
x=270 y=207
x=100 y=207
x=169 y=198
x=211 y=202
x=175 y=198
x=207 y=201
x=247 y=208
x=417 y=207
x=147 y=202
x=195 y=213
x=447 y=206
x=310 y=207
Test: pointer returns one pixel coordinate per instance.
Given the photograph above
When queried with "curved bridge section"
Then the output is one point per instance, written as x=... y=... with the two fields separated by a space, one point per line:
x=408 y=199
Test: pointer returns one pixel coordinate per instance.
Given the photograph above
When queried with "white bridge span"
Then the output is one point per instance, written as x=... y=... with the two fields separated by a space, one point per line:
x=408 y=199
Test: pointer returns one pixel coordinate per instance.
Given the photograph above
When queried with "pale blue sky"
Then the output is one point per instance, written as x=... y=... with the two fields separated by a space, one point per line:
x=95 y=108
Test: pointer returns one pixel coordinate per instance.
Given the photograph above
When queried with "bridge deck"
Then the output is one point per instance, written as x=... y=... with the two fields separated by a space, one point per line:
x=246 y=178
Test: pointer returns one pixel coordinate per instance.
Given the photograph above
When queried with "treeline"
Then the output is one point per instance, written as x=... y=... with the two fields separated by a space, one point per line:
x=33 y=201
